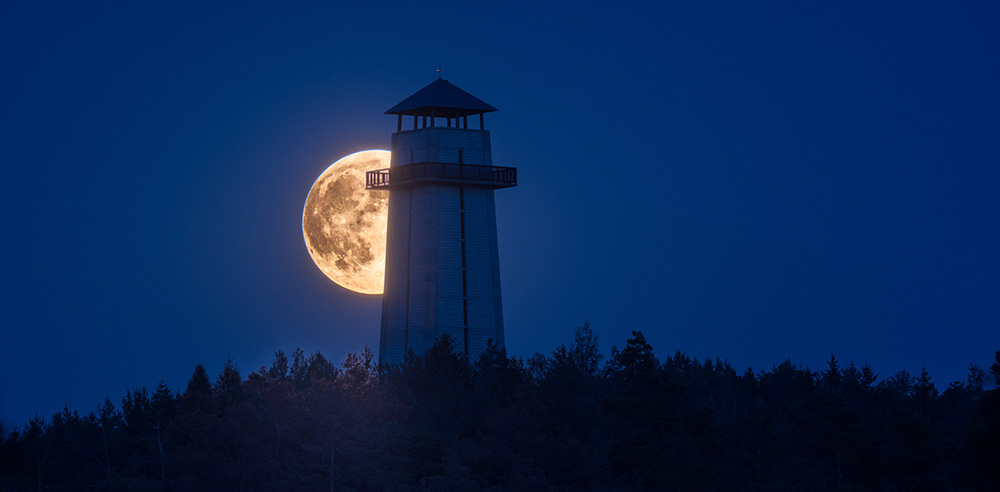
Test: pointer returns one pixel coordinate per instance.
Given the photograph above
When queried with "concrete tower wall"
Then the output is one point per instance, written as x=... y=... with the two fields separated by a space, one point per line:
x=433 y=285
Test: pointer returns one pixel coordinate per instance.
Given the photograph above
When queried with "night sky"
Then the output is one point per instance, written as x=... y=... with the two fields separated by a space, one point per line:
x=752 y=181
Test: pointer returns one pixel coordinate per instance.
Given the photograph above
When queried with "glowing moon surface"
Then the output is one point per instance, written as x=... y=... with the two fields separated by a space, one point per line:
x=344 y=225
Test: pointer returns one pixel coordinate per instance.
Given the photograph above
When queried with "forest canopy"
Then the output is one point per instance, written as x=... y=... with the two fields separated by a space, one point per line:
x=569 y=420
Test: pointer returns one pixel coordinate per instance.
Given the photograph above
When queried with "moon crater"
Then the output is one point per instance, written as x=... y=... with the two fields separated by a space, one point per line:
x=344 y=225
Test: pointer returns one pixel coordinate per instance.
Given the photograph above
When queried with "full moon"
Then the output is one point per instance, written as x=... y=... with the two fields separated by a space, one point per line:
x=344 y=225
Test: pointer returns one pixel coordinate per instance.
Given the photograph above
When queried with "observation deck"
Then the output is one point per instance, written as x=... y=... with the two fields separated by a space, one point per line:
x=441 y=173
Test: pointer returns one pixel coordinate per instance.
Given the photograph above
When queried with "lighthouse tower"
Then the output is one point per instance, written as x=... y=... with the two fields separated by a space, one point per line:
x=442 y=270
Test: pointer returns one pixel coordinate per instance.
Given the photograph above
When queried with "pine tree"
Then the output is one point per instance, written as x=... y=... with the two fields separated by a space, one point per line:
x=110 y=425
x=636 y=359
x=974 y=381
x=995 y=369
x=924 y=389
x=198 y=395
x=318 y=368
x=229 y=386
x=199 y=382
x=832 y=376
x=359 y=377
x=279 y=369
x=299 y=368
x=498 y=374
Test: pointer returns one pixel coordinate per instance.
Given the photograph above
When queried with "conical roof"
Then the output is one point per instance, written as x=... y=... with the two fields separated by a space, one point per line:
x=443 y=99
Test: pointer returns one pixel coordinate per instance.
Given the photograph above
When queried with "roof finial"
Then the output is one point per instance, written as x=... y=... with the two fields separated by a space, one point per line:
x=439 y=70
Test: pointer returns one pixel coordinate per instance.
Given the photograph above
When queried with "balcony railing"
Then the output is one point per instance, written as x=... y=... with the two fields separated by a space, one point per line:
x=441 y=172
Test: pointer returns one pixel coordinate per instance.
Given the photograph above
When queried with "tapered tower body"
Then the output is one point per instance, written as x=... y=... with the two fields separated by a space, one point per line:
x=442 y=273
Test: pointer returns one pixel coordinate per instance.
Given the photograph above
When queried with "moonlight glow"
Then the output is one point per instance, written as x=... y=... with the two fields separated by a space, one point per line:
x=344 y=225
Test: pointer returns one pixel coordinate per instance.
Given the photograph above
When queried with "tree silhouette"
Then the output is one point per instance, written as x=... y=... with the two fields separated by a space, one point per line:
x=228 y=389
x=995 y=368
x=558 y=422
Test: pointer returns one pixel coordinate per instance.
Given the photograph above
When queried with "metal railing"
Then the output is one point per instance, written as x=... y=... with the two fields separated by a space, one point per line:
x=492 y=176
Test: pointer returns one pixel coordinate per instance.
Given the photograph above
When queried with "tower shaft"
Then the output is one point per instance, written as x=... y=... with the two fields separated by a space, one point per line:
x=442 y=263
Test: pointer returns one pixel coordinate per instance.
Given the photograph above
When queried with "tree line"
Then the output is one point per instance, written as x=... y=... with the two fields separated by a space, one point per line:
x=570 y=420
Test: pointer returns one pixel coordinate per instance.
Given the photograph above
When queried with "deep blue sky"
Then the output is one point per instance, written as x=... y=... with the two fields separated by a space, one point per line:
x=750 y=182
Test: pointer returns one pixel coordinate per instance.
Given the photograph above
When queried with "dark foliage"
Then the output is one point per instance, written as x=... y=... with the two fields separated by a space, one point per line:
x=559 y=422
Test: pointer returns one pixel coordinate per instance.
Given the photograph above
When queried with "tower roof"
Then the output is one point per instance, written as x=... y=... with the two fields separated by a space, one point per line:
x=443 y=99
